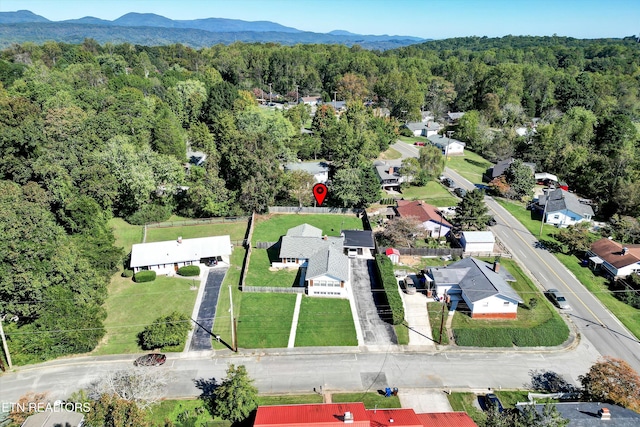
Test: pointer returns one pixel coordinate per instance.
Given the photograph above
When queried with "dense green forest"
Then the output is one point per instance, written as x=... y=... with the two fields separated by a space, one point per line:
x=90 y=131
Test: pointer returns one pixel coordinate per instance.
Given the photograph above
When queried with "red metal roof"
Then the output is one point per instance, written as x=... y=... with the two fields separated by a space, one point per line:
x=422 y=211
x=392 y=251
x=393 y=417
x=319 y=415
x=447 y=419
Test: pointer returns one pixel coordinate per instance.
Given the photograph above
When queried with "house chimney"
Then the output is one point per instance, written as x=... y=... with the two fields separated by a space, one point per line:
x=390 y=170
x=624 y=251
x=348 y=418
x=179 y=239
x=604 y=414
x=496 y=266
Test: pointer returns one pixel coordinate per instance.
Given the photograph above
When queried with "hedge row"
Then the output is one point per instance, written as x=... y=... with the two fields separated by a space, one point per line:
x=189 y=270
x=144 y=276
x=551 y=333
x=390 y=284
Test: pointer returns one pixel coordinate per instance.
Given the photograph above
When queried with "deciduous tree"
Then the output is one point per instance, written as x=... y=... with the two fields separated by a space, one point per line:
x=612 y=380
x=235 y=397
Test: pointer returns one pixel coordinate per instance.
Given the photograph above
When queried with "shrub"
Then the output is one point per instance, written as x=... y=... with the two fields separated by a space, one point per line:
x=189 y=270
x=167 y=331
x=144 y=276
x=388 y=280
x=149 y=213
x=127 y=273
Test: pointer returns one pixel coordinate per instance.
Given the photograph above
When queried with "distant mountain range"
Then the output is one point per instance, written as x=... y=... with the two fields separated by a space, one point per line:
x=152 y=29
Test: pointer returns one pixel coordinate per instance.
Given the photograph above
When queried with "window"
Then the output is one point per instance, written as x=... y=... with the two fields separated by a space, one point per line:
x=556 y=217
x=485 y=304
x=506 y=303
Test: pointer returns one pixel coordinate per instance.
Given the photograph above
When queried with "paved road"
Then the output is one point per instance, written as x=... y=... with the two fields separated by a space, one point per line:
x=201 y=338
x=366 y=290
x=591 y=318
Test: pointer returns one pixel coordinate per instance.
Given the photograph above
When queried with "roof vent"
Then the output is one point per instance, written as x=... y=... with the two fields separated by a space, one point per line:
x=604 y=414
x=390 y=420
x=348 y=418
x=624 y=250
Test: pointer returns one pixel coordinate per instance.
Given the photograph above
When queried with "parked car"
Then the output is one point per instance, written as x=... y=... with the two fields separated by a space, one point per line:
x=491 y=221
x=448 y=182
x=460 y=192
x=151 y=359
x=557 y=298
x=492 y=400
x=419 y=143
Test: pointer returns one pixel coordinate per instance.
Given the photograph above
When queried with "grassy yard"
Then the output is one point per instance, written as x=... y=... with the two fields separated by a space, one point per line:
x=402 y=333
x=265 y=320
x=325 y=322
x=174 y=410
x=132 y=306
x=471 y=166
x=269 y=228
x=433 y=193
x=466 y=402
x=222 y=323
x=530 y=220
x=258 y=273
x=390 y=154
x=435 y=320
x=235 y=229
x=126 y=234
x=371 y=400
x=535 y=326
x=289 y=399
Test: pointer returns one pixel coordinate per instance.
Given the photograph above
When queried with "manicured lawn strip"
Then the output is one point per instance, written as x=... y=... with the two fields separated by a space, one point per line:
x=540 y=326
x=222 y=323
x=390 y=154
x=371 y=400
x=464 y=402
x=509 y=398
x=530 y=220
x=236 y=231
x=471 y=166
x=265 y=320
x=126 y=234
x=132 y=306
x=402 y=334
x=325 y=322
x=258 y=273
x=289 y=399
x=597 y=285
x=435 y=320
x=173 y=409
x=269 y=228
x=433 y=193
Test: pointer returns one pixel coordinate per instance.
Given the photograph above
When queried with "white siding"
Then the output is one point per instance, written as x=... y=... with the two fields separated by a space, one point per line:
x=492 y=305
x=327 y=286
x=564 y=218
x=478 y=246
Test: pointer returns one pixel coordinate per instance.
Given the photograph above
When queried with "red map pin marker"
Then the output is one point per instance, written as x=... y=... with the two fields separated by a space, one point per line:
x=320 y=192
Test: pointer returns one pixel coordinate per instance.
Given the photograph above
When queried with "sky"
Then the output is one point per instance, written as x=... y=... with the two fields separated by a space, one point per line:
x=435 y=19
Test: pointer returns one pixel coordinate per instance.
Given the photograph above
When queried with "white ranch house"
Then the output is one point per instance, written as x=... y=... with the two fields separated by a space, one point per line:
x=166 y=257
x=448 y=146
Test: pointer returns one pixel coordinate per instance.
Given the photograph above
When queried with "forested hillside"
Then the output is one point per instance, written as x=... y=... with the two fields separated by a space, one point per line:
x=90 y=131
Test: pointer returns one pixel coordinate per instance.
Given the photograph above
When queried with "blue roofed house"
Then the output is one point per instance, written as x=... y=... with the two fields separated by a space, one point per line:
x=562 y=208
x=481 y=286
x=319 y=170
x=325 y=269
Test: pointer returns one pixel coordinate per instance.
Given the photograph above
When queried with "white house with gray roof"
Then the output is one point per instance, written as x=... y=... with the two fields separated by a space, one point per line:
x=325 y=269
x=448 y=146
x=166 y=257
x=563 y=208
x=481 y=286
x=427 y=129
x=319 y=170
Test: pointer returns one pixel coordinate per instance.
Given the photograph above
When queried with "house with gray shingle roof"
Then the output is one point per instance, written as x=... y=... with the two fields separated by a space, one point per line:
x=481 y=286
x=319 y=170
x=325 y=270
x=563 y=208
x=423 y=128
x=449 y=146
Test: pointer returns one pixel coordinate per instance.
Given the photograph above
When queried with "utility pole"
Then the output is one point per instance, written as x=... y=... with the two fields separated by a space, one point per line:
x=4 y=344
x=233 y=322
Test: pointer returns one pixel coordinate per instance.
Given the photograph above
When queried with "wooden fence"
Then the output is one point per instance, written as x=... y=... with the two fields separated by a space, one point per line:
x=433 y=252
x=265 y=245
x=199 y=221
x=274 y=289
x=247 y=256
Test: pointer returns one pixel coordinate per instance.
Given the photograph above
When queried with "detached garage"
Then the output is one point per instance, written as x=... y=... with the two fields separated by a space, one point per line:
x=166 y=257
x=478 y=241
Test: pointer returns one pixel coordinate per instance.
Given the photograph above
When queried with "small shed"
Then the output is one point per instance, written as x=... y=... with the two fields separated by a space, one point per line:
x=477 y=241
x=393 y=254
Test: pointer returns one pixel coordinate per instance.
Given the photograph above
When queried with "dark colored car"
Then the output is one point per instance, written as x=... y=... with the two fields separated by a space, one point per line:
x=492 y=400
x=557 y=298
x=151 y=359
x=491 y=221
x=460 y=192
x=419 y=143
x=448 y=182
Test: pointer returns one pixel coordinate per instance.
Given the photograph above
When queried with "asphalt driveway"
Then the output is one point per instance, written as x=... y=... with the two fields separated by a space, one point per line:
x=201 y=338
x=369 y=298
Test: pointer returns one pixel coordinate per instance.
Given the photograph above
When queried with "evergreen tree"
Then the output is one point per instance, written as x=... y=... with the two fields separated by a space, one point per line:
x=471 y=212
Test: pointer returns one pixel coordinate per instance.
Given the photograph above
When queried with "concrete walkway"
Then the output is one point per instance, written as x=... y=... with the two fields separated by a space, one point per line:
x=423 y=400
x=417 y=318
x=294 y=322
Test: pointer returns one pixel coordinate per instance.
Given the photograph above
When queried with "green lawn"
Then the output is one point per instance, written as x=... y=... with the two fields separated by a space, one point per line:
x=538 y=326
x=236 y=231
x=222 y=323
x=390 y=154
x=435 y=320
x=126 y=234
x=471 y=166
x=530 y=220
x=265 y=320
x=175 y=410
x=371 y=400
x=465 y=402
x=269 y=228
x=289 y=399
x=325 y=322
x=402 y=333
x=132 y=306
x=433 y=193
x=258 y=273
